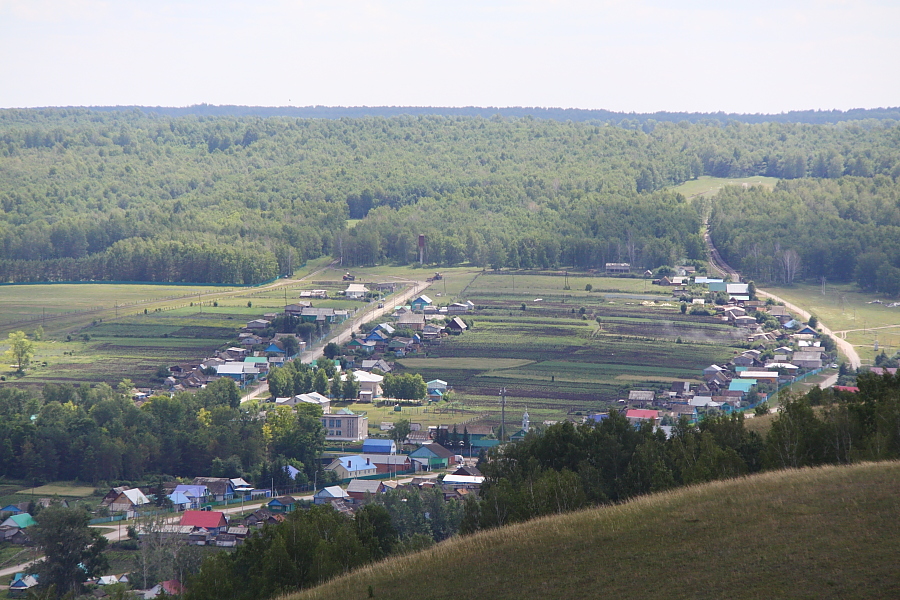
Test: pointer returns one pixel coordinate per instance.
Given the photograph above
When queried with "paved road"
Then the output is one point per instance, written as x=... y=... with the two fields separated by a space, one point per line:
x=720 y=265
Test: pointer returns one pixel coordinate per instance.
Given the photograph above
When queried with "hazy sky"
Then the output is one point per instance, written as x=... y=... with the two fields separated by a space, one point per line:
x=624 y=55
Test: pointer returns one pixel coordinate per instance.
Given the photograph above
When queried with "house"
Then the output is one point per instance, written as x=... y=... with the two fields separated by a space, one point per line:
x=436 y=384
x=128 y=500
x=410 y=320
x=366 y=346
x=282 y=504
x=220 y=488
x=460 y=308
x=239 y=371
x=113 y=579
x=376 y=446
x=680 y=388
x=314 y=398
x=744 y=321
x=743 y=361
x=389 y=463
x=419 y=304
x=738 y=289
x=179 y=501
x=712 y=370
x=369 y=365
x=21 y=584
x=641 y=396
x=13 y=509
x=261 y=517
x=314 y=294
x=614 y=268
x=807 y=360
x=350 y=467
x=356 y=291
x=433 y=456
x=378 y=336
x=431 y=331
x=636 y=416
x=210 y=520
x=369 y=385
x=258 y=324
x=456 y=325
x=358 y=489
x=171 y=587
x=21 y=521
x=296 y=309
x=684 y=410
x=345 y=426
x=326 y=495
x=197 y=494
x=765 y=375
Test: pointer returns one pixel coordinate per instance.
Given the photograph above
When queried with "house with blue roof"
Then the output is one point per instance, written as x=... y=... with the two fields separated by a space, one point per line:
x=351 y=467
x=12 y=509
x=20 y=585
x=377 y=446
x=197 y=494
x=180 y=501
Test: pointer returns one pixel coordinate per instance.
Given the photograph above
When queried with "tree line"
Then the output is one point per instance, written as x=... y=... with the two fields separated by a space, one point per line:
x=97 y=434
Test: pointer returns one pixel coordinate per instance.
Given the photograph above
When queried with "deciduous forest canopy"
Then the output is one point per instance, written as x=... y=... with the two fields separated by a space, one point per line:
x=136 y=196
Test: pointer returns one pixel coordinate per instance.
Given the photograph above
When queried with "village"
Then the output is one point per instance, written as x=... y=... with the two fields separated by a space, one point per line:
x=363 y=460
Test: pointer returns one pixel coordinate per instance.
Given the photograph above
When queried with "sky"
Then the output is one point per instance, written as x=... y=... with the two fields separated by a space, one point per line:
x=757 y=56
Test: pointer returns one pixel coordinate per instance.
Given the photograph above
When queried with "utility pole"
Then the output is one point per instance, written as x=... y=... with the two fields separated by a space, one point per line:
x=502 y=415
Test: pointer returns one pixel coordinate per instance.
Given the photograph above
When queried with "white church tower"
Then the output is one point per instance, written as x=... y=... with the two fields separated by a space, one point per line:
x=525 y=421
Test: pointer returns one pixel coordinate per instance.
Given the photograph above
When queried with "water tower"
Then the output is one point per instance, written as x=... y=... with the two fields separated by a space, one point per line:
x=421 y=248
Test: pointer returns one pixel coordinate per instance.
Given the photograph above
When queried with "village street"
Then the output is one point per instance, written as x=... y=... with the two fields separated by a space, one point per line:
x=371 y=313
x=720 y=265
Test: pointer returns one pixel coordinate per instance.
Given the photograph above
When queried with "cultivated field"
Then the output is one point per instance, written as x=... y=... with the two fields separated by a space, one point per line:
x=571 y=352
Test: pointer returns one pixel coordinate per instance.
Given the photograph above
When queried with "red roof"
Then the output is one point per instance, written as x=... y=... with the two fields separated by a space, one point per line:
x=172 y=587
x=846 y=388
x=203 y=518
x=642 y=413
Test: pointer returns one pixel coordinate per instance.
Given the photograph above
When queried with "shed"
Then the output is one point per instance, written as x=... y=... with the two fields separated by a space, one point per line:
x=377 y=446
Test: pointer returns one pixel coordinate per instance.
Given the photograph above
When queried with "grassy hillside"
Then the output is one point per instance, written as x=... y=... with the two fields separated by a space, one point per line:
x=817 y=533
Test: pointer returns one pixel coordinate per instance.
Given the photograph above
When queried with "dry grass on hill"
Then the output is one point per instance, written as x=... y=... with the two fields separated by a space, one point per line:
x=828 y=532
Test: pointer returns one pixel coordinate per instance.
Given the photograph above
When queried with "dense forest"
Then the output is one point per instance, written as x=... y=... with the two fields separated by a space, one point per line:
x=845 y=229
x=125 y=195
x=97 y=434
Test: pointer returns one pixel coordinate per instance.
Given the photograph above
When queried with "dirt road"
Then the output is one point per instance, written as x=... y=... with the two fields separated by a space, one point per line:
x=719 y=264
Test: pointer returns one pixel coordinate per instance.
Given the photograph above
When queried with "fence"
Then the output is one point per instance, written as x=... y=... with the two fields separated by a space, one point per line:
x=797 y=379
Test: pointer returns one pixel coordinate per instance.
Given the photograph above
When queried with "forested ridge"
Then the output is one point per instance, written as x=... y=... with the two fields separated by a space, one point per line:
x=125 y=195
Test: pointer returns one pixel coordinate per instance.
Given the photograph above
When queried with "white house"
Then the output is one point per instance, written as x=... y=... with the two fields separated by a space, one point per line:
x=356 y=291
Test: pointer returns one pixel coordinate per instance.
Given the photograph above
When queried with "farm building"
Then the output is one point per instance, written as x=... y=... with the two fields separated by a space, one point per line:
x=377 y=446
x=612 y=268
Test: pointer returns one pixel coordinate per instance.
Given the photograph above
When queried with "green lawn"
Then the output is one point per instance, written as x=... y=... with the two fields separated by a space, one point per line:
x=706 y=186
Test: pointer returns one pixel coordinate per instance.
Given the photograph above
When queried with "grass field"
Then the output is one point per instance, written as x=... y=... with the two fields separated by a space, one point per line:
x=706 y=186
x=829 y=532
x=847 y=312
